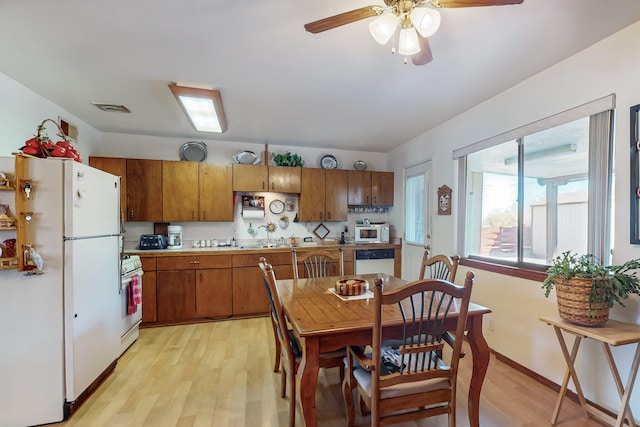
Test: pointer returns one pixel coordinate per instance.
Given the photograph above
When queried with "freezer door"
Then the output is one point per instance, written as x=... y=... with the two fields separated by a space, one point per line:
x=92 y=310
x=92 y=201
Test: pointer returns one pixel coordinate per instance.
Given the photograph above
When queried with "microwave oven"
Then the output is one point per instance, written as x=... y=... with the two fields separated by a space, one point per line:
x=374 y=233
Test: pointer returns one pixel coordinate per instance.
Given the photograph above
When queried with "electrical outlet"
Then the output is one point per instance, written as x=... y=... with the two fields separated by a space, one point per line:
x=491 y=324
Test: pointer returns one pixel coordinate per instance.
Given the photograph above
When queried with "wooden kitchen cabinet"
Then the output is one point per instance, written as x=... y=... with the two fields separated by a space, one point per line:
x=215 y=183
x=281 y=179
x=335 y=199
x=370 y=188
x=249 y=294
x=149 y=310
x=180 y=193
x=193 y=191
x=284 y=179
x=382 y=188
x=115 y=166
x=214 y=293
x=323 y=195
x=176 y=293
x=359 y=188
x=144 y=190
x=190 y=287
x=250 y=178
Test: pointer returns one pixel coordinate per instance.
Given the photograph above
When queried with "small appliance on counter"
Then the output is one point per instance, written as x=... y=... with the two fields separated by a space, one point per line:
x=372 y=232
x=152 y=241
x=175 y=237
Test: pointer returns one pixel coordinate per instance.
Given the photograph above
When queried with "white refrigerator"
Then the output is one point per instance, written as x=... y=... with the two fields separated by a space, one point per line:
x=60 y=329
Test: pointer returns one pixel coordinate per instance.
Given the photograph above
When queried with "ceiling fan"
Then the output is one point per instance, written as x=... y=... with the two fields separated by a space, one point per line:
x=417 y=23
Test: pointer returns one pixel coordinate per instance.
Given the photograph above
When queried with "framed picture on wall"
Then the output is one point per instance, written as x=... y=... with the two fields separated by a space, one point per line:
x=444 y=200
x=634 y=175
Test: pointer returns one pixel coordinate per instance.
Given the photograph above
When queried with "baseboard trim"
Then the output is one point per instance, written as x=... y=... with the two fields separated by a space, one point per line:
x=547 y=382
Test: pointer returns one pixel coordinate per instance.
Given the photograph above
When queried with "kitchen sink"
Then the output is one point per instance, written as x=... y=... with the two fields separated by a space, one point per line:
x=269 y=246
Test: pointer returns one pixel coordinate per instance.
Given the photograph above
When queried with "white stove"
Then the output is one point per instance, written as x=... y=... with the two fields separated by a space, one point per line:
x=130 y=311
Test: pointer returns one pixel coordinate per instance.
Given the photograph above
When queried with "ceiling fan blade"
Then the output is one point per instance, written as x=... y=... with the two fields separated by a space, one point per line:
x=343 y=19
x=424 y=56
x=473 y=3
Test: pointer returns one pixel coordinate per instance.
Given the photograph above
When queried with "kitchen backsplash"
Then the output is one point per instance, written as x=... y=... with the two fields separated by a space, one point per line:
x=239 y=228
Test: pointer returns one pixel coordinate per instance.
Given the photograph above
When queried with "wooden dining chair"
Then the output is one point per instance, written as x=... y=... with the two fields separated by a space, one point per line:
x=318 y=263
x=411 y=381
x=290 y=349
x=441 y=267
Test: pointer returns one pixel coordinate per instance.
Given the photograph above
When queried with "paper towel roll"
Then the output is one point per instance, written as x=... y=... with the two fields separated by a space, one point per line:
x=252 y=213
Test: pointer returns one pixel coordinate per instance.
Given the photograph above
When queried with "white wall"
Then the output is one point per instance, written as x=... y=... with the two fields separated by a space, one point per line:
x=22 y=111
x=607 y=67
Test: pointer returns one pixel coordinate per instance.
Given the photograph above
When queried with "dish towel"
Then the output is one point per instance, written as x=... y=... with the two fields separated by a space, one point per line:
x=134 y=295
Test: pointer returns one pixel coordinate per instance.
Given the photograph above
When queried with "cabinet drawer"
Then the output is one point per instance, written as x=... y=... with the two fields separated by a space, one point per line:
x=273 y=258
x=194 y=262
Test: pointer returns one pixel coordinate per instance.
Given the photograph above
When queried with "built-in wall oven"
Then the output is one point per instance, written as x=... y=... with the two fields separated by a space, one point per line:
x=131 y=300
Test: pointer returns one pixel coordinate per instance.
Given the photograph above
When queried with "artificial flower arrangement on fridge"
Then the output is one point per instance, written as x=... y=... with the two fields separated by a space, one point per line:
x=43 y=146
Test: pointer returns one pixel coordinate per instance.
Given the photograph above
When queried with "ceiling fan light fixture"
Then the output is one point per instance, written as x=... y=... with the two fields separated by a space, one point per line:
x=408 y=44
x=382 y=28
x=425 y=20
x=203 y=107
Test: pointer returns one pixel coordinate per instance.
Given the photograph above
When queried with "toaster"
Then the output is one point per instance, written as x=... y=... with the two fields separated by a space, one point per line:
x=152 y=241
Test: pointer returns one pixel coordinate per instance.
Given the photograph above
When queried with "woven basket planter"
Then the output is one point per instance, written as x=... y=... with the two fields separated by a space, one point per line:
x=574 y=306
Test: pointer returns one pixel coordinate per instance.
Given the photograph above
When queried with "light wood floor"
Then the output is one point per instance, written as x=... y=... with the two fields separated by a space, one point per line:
x=220 y=374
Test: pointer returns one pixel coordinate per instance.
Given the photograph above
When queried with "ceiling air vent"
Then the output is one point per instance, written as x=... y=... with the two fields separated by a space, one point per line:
x=111 y=108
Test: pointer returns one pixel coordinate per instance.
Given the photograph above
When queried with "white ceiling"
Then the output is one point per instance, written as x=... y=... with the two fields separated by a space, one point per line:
x=280 y=84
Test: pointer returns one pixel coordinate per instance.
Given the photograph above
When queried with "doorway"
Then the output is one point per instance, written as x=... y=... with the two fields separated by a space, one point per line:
x=417 y=218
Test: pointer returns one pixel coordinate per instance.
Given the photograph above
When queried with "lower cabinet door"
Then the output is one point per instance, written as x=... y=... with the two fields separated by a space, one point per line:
x=214 y=293
x=249 y=294
x=176 y=295
x=149 y=297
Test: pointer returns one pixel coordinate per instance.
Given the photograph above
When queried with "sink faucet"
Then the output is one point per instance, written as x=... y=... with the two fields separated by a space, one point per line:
x=269 y=228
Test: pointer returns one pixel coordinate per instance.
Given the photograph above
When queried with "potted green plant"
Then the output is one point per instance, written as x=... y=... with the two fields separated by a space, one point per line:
x=586 y=289
x=287 y=159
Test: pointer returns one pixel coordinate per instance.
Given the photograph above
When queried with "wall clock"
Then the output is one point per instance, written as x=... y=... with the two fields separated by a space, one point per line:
x=276 y=206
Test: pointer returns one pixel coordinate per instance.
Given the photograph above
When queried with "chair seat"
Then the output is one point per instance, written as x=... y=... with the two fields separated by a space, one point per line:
x=364 y=379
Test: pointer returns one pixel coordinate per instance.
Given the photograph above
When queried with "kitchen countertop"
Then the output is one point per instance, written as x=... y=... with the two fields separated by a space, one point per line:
x=229 y=250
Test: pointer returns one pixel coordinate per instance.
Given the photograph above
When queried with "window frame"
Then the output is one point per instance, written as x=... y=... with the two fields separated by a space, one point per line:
x=599 y=241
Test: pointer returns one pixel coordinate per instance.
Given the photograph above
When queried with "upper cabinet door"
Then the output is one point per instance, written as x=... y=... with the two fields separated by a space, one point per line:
x=359 y=188
x=382 y=188
x=312 y=195
x=250 y=178
x=284 y=179
x=144 y=190
x=335 y=199
x=216 y=192
x=180 y=191
x=118 y=167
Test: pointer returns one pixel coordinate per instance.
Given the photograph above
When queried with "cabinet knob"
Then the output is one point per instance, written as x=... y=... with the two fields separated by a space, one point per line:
x=131 y=215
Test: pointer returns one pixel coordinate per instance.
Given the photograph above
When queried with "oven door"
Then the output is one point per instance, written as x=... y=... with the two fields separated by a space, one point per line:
x=130 y=323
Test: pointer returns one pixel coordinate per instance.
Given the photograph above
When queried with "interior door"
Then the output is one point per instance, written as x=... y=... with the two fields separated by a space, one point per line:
x=417 y=220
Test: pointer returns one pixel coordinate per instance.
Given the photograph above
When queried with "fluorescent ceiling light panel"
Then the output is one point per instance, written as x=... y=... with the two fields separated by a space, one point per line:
x=203 y=107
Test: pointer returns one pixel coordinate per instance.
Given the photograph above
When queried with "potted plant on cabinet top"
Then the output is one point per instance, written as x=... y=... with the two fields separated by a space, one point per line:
x=586 y=289
x=287 y=159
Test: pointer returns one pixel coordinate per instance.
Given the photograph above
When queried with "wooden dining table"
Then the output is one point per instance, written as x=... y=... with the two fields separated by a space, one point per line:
x=324 y=322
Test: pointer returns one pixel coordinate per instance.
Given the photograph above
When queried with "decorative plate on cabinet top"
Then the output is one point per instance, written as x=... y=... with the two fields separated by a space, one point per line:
x=360 y=165
x=247 y=158
x=328 y=162
x=193 y=151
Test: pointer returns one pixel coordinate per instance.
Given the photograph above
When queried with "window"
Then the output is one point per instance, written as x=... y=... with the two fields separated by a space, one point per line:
x=538 y=191
x=414 y=203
